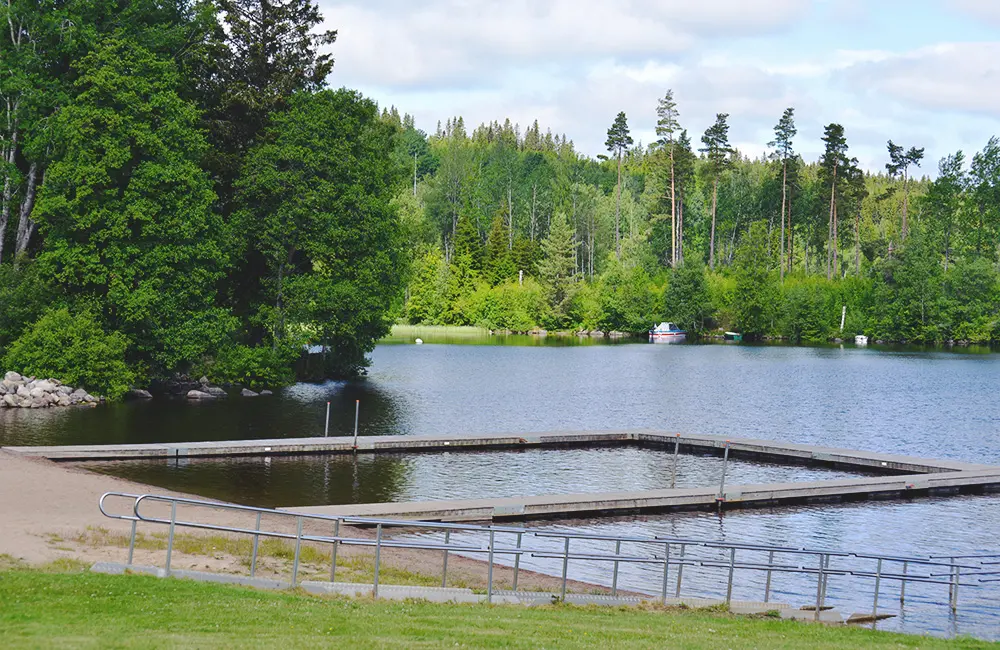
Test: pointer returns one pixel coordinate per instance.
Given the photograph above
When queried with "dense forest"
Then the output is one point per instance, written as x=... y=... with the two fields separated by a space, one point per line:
x=183 y=193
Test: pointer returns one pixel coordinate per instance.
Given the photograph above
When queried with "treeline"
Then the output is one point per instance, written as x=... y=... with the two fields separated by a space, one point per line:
x=515 y=230
x=182 y=194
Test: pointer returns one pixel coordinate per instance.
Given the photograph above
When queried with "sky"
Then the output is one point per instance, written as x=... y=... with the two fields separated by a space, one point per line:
x=923 y=73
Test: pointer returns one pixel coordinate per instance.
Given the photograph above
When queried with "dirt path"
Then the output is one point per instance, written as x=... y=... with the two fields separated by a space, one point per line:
x=49 y=512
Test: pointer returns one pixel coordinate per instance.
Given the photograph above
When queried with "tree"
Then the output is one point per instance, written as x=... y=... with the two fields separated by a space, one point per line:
x=943 y=200
x=784 y=132
x=899 y=163
x=855 y=193
x=498 y=265
x=557 y=269
x=126 y=211
x=686 y=300
x=684 y=162
x=755 y=293
x=617 y=143
x=717 y=151
x=666 y=126
x=317 y=194
x=833 y=161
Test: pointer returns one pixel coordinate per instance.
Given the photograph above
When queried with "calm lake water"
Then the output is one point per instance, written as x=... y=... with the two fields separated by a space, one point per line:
x=936 y=404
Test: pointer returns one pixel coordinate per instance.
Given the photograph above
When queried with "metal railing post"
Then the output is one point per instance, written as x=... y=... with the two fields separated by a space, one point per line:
x=378 y=557
x=826 y=580
x=614 y=573
x=333 y=552
x=444 y=564
x=170 y=537
x=954 y=593
x=732 y=570
x=680 y=571
x=256 y=543
x=819 y=586
x=565 y=568
x=131 y=543
x=666 y=574
x=298 y=549
x=878 y=584
x=517 y=562
x=902 y=585
x=767 y=584
x=489 y=577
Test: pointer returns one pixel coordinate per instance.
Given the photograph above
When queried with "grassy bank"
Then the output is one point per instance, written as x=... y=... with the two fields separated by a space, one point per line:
x=43 y=609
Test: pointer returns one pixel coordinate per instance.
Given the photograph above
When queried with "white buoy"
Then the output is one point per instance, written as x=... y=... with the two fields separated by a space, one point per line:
x=419 y=341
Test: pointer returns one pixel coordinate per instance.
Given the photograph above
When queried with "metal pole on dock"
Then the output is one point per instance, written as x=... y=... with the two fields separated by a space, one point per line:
x=677 y=447
x=722 y=483
x=326 y=429
x=357 y=409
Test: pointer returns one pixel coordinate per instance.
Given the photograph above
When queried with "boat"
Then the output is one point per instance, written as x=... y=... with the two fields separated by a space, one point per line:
x=861 y=340
x=733 y=336
x=667 y=332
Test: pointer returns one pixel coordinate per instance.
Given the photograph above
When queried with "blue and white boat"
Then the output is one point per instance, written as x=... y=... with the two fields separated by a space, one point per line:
x=667 y=332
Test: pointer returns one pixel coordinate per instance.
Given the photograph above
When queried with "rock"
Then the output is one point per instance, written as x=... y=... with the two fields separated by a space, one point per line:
x=63 y=400
x=13 y=377
x=9 y=385
x=203 y=381
x=39 y=403
x=23 y=392
x=265 y=393
x=90 y=399
x=45 y=385
x=215 y=391
x=37 y=392
x=197 y=394
x=78 y=394
x=65 y=390
x=138 y=393
x=246 y=392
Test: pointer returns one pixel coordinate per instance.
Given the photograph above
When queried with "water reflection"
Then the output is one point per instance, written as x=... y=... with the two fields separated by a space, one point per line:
x=321 y=480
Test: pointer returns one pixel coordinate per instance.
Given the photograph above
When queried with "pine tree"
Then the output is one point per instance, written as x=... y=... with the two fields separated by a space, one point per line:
x=784 y=132
x=718 y=151
x=498 y=265
x=666 y=126
x=617 y=143
x=833 y=161
x=899 y=163
x=684 y=173
x=557 y=270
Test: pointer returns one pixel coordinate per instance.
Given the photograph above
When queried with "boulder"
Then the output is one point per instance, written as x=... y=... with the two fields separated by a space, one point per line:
x=37 y=392
x=138 y=393
x=203 y=381
x=13 y=377
x=215 y=391
x=23 y=392
x=246 y=392
x=63 y=400
x=45 y=385
x=38 y=403
x=198 y=394
x=265 y=393
x=65 y=390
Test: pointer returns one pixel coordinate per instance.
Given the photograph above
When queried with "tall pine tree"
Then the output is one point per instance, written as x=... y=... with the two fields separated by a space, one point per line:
x=617 y=143
x=717 y=151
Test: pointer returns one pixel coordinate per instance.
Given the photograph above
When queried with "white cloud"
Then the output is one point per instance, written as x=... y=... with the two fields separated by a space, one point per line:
x=963 y=77
x=446 y=42
x=988 y=10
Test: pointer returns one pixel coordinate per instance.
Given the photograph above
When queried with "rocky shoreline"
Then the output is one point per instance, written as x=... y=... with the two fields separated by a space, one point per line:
x=17 y=391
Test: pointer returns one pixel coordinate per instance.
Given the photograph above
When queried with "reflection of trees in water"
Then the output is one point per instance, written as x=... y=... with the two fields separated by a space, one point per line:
x=276 y=481
x=295 y=412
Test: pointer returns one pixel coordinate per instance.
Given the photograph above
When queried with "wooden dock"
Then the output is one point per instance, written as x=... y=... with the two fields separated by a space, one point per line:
x=782 y=452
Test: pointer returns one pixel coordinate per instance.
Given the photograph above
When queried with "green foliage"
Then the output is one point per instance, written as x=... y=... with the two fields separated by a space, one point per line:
x=809 y=310
x=687 y=301
x=499 y=263
x=627 y=299
x=126 y=211
x=76 y=351
x=557 y=270
x=755 y=293
x=256 y=367
x=25 y=294
x=508 y=306
x=316 y=204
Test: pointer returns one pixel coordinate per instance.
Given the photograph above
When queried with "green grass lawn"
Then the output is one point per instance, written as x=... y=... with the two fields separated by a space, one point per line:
x=46 y=609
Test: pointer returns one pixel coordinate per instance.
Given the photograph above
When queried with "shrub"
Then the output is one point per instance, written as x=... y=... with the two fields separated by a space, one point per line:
x=75 y=350
x=256 y=367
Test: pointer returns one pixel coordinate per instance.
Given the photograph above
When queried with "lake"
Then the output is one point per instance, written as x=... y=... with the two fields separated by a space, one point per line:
x=939 y=404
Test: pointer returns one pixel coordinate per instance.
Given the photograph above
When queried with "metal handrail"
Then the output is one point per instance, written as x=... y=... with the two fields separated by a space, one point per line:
x=972 y=572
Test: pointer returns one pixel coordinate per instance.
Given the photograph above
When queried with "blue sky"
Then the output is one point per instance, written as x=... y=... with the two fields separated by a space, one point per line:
x=924 y=73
